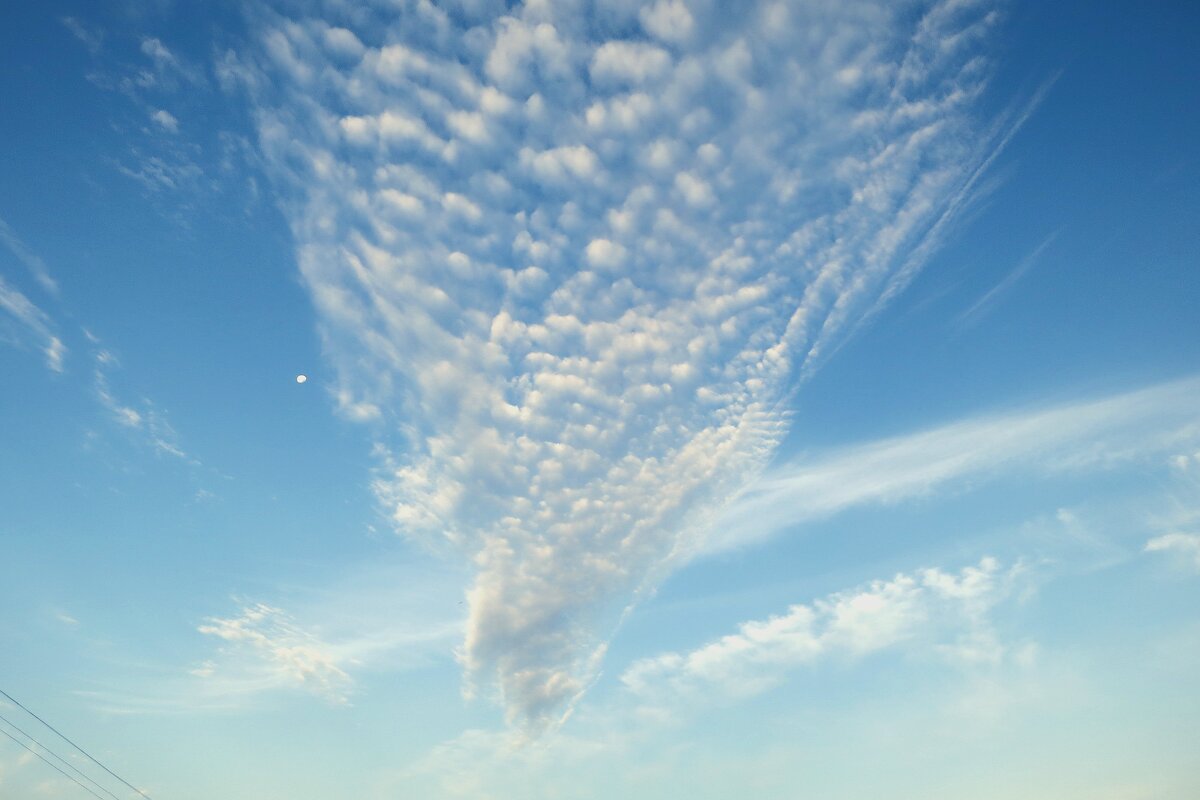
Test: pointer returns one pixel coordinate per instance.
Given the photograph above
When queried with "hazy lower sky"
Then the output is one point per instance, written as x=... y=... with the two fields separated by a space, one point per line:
x=787 y=399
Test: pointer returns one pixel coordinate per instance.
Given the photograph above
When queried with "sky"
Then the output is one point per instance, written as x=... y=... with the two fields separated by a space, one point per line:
x=774 y=400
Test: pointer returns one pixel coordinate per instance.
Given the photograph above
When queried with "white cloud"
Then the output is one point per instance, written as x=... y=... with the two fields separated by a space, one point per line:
x=386 y=617
x=158 y=51
x=289 y=656
x=695 y=190
x=525 y=51
x=169 y=68
x=406 y=204
x=93 y=40
x=943 y=612
x=624 y=113
x=149 y=421
x=669 y=20
x=32 y=323
x=343 y=42
x=620 y=62
x=647 y=270
x=557 y=165
x=469 y=125
x=157 y=173
x=127 y=416
x=32 y=261
x=604 y=254
x=616 y=745
x=55 y=352
x=165 y=120
x=1089 y=435
x=1185 y=545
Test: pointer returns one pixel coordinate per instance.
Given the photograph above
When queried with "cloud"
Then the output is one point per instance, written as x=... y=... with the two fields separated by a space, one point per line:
x=945 y=612
x=32 y=261
x=980 y=306
x=165 y=120
x=1082 y=436
x=179 y=173
x=93 y=40
x=34 y=327
x=32 y=323
x=147 y=419
x=966 y=195
x=668 y=20
x=158 y=173
x=169 y=68
x=286 y=655
x=622 y=743
x=55 y=352
x=628 y=62
x=580 y=303
x=384 y=618
x=1184 y=545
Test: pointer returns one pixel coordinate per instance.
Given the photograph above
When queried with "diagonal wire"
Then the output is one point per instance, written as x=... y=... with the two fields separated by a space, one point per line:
x=51 y=764
x=63 y=736
x=59 y=758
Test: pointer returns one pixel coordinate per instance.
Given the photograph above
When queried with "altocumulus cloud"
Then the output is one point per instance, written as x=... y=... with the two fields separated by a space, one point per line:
x=570 y=255
x=948 y=611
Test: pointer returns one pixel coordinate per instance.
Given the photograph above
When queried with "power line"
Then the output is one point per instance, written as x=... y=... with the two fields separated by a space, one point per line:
x=61 y=760
x=51 y=764
x=63 y=736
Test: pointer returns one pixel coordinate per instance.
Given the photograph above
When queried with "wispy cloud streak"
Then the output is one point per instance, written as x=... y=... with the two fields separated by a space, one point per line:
x=287 y=655
x=33 y=323
x=1089 y=435
x=981 y=305
x=32 y=261
x=388 y=617
x=147 y=419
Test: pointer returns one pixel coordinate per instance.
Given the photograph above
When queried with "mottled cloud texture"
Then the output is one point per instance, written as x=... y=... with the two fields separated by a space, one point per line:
x=568 y=257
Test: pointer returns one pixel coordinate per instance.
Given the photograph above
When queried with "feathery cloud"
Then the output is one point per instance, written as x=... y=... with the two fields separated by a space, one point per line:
x=93 y=40
x=989 y=298
x=32 y=324
x=1082 y=436
x=285 y=655
x=32 y=261
x=34 y=327
x=148 y=420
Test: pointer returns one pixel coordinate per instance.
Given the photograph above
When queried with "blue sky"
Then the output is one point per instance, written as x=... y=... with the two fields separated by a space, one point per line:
x=698 y=402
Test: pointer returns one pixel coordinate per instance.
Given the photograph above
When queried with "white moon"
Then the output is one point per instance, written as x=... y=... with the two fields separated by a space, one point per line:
x=301 y=378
